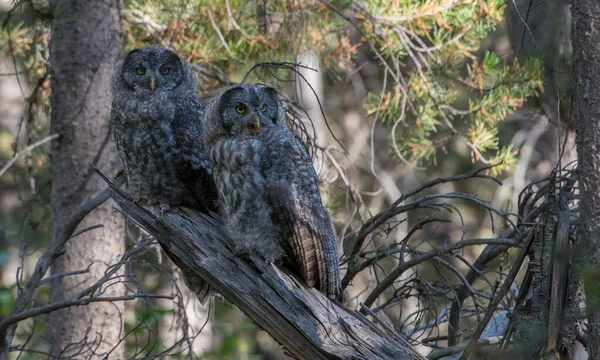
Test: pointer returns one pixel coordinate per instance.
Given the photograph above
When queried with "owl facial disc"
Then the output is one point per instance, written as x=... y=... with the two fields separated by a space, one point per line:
x=152 y=69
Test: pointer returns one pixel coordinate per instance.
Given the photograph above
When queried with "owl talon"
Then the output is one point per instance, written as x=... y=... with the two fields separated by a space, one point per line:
x=241 y=252
x=141 y=201
x=161 y=209
x=270 y=259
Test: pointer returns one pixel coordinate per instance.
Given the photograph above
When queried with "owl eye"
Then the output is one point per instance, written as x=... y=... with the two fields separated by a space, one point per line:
x=140 y=71
x=165 y=70
x=264 y=108
x=240 y=109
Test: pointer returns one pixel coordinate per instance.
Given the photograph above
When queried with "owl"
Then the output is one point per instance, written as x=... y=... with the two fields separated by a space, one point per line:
x=157 y=124
x=267 y=187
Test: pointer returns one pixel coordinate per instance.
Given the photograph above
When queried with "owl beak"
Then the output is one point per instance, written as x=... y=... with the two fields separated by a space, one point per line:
x=152 y=83
x=254 y=125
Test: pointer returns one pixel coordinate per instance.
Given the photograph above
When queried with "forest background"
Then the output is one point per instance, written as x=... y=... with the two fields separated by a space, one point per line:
x=394 y=94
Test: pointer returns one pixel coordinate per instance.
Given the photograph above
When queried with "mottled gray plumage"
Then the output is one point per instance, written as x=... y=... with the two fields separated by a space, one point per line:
x=267 y=186
x=241 y=188
x=157 y=124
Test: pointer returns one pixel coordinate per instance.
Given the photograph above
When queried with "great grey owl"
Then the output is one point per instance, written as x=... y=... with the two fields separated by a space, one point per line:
x=157 y=124
x=267 y=186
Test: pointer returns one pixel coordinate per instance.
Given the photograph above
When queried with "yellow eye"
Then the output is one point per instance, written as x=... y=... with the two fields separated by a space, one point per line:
x=165 y=70
x=140 y=71
x=240 y=109
x=264 y=108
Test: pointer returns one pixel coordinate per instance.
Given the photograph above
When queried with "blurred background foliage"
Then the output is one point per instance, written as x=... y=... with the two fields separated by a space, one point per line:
x=413 y=90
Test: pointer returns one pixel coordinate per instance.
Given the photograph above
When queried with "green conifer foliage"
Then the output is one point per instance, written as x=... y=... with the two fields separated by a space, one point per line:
x=440 y=85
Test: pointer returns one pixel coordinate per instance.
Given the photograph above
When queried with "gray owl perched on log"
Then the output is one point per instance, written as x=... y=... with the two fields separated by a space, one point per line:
x=157 y=124
x=267 y=186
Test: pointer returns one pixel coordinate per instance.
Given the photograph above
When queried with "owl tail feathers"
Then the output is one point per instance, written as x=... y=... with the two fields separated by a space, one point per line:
x=197 y=285
x=317 y=256
x=329 y=273
x=330 y=282
x=305 y=253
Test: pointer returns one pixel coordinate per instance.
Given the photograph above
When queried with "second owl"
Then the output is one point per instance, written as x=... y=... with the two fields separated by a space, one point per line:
x=267 y=186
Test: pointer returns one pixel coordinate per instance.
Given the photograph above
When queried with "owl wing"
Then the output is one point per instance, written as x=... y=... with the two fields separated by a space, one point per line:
x=118 y=132
x=192 y=162
x=301 y=216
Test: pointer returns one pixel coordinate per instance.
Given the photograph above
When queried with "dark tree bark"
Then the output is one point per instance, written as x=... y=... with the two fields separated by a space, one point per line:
x=586 y=53
x=304 y=321
x=85 y=42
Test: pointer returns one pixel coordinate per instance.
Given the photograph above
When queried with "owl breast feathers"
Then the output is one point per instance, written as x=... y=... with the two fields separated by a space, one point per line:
x=267 y=186
x=157 y=124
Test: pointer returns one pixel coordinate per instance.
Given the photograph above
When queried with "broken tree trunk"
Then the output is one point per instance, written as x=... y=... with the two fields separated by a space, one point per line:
x=303 y=320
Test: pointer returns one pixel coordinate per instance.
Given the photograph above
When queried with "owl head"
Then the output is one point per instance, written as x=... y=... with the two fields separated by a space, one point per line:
x=242 y=110
x=154 y=69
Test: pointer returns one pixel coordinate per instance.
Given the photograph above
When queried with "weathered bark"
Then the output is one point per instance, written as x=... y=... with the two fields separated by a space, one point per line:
x=303 y=320
x=85 y=42
x=586 y=53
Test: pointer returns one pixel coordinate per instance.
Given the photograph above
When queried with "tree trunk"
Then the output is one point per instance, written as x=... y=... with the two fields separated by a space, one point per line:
x=586 y=54
x=85 y=42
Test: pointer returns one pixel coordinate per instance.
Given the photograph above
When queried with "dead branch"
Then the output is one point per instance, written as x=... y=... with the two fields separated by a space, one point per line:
x=404 y=266
x=494 y=304
x=397 y=206
x=303 y=320
x=25 y=295
x=11 y=162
